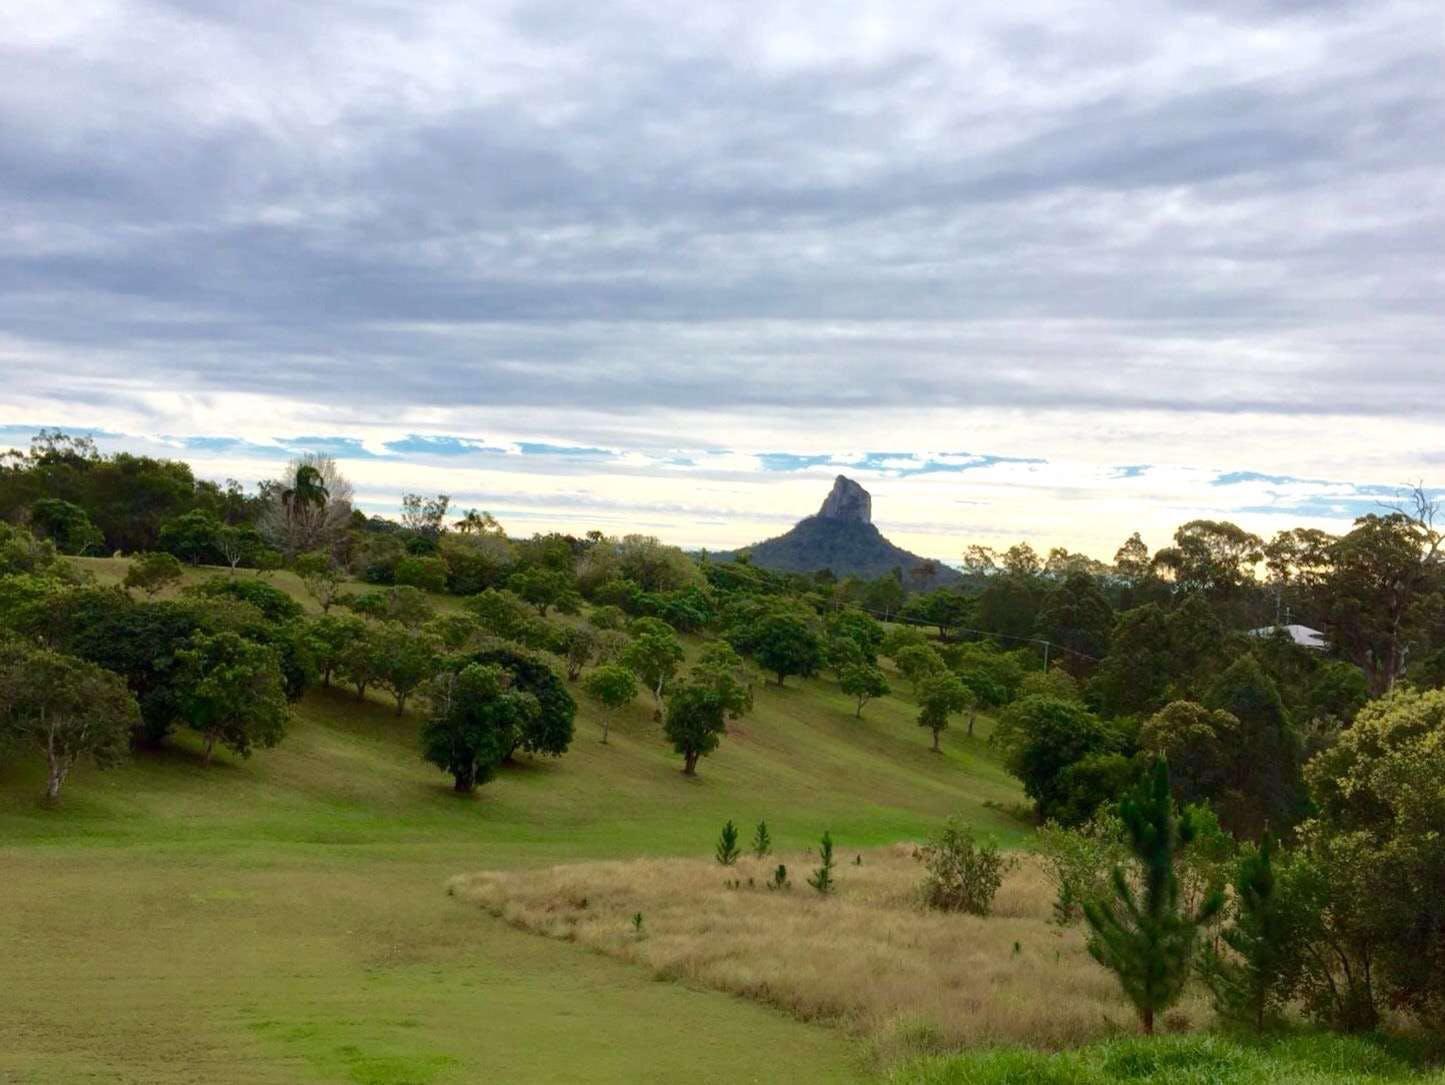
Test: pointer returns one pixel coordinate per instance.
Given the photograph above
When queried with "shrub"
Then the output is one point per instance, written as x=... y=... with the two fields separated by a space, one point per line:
x=822 y=878
x=1077 y=862
x=762 y=840
x=963 y=875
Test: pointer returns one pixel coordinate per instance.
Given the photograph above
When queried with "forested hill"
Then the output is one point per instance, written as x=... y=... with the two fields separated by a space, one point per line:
x=842 y=538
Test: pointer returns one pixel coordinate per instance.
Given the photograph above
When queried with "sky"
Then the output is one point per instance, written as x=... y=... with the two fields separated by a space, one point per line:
x=1051 y=272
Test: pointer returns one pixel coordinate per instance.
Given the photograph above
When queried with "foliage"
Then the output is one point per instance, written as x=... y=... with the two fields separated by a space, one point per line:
x=194 y=537
x=273 y=603
x=153 y=573
x=762 y=841
x=962 y=874
x=578 y=645
x=917 y=662
x=786 y=644
x=863 y=683
x=653 y=655
x=330 y=636
x=1078 y=862
x=939 y=697
x=1077 y=617
x=545 y=588
x=1143 y=936
x=65 y=708
x=322 y=577
x=697 y=714
x=1041 y=737
x=727 y=850
x=822 y=878
x=476 y=712
x=230 y=690
x=404 y=659
x=612 y=686
x=549 y=732
x=66 y=525
x=1263 y=781
x=403 y=604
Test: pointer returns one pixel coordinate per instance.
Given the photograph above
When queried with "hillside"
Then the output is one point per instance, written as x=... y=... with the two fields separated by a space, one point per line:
x=283 y=918
x=842 y=537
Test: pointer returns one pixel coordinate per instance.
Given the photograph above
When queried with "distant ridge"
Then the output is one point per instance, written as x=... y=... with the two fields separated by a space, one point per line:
x=843 y=538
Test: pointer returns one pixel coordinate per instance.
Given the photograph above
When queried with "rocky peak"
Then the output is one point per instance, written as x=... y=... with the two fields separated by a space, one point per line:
x=847 y=501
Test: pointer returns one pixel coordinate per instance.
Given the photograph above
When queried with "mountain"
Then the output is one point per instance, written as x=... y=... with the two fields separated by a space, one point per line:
x=843 y=538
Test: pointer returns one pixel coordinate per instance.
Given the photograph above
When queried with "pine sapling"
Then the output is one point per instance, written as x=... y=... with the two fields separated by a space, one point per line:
x=762 y=841
x=822 y=879
x=1148 y=941
x=779 y=880
x=727 y=845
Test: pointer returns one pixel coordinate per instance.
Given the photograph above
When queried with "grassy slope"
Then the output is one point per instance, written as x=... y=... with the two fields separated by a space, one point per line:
x=283 y=919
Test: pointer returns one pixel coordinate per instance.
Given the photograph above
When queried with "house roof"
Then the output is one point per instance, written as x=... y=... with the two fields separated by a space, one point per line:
x=1302 y=635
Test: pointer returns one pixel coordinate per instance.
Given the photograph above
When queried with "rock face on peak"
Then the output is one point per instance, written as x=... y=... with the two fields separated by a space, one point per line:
x=842 y=537
x=847 y=501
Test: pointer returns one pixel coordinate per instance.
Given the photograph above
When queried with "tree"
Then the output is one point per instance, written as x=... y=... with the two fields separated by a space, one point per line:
x=425 y=516
x=549 y=732
x=330 y=637
x=1216 y=558
x=1134 y=676
x=654 y=656
x=941 y=696
x=64 y=707
x=697 y=714
x=1147 y=941
x=612 y=686
x=1041 y=737
x=963 y=875
x=426 y=574
x=192 y=537
x=153 y=573
x=322 y=577
x=1076 y=617
x=918 y=662
x=231 y=691
x=785 y=644
x=476 y=712
x=727 y=850
x=545 y=588
x=1377 y=841
x=358 y=660
x=65 y=524
x=479 y=523
x=822 y=878
x=1379 y=574
x=309 y=508
x=404 y=660
x=1253 y=982
x=403 y=604
x=762 y=841
x=241 y=544
x=578 y=644
x=1264 y=752
x=863 y=682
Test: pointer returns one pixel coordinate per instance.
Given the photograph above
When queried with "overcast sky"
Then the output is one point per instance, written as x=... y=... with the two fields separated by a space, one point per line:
x=1054 y=271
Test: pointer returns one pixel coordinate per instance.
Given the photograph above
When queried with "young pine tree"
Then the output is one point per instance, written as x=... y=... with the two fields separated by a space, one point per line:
x=762 y=841
x=1146 y=940
x=1253 y=983
x=727 y=850
x=822 y=879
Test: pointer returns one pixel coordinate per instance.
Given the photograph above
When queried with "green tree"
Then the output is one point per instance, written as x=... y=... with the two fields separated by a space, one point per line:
x=654 y=656
x=545 y=588
x=1041 y=737
x=941 y=696
x=330 y=637
x=963 y=875
x=1134 y=676
x=231 y=692
x=762 y=841
x=358 y=661
x=918 y=662
x=549 y=732
x=1077 y=617
x=1143 y=936
x=64 y=707
x=727 y=849
x=863 y=683
x=405 y=659
x=1254 y=979
x=422 y=573
x=612 y=686
x=65 y=524
x=786 y=644
x=1265 y=751
x=401 y=603
x=475 y=714
x=153 y=573
x=578 y=646
x=193 y=537
x=822 y=878
x=697 y=714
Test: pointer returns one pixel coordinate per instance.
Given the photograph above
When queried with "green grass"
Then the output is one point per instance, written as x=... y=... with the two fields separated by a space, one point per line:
x=1303 y=1059
x=284 y=919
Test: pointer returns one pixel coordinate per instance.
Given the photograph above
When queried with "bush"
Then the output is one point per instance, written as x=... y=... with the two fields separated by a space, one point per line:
x=963 y=875
x=1078 y=862
x=428 y=574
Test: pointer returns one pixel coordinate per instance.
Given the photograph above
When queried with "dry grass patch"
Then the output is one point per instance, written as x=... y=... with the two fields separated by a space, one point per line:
x=868 y=958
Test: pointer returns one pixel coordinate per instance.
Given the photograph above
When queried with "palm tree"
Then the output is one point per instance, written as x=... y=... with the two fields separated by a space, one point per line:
x=309 y=489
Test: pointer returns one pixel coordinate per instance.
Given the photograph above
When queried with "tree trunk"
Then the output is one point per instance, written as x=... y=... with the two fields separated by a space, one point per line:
x=858 y=715
x=935 y=743
x=210 y=745
x=57 y=777
x=780 y=679
x=466 y=780
x=971 y=717
x=1147 y=1017
x=689 y=764
x=606 y=722
x=400 y=703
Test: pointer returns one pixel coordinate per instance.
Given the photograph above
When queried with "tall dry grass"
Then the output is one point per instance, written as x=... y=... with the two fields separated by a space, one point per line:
x=868 y=958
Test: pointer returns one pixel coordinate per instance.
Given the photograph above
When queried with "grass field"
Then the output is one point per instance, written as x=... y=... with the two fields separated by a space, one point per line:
x=285 y=918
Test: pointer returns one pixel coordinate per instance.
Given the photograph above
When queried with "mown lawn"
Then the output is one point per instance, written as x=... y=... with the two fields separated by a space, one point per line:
x=284 y=918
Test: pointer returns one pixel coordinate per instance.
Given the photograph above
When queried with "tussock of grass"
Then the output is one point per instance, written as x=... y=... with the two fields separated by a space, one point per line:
x=868 y=958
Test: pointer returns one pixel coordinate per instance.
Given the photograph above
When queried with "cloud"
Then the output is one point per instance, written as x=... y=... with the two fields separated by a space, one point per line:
x=548 y=239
